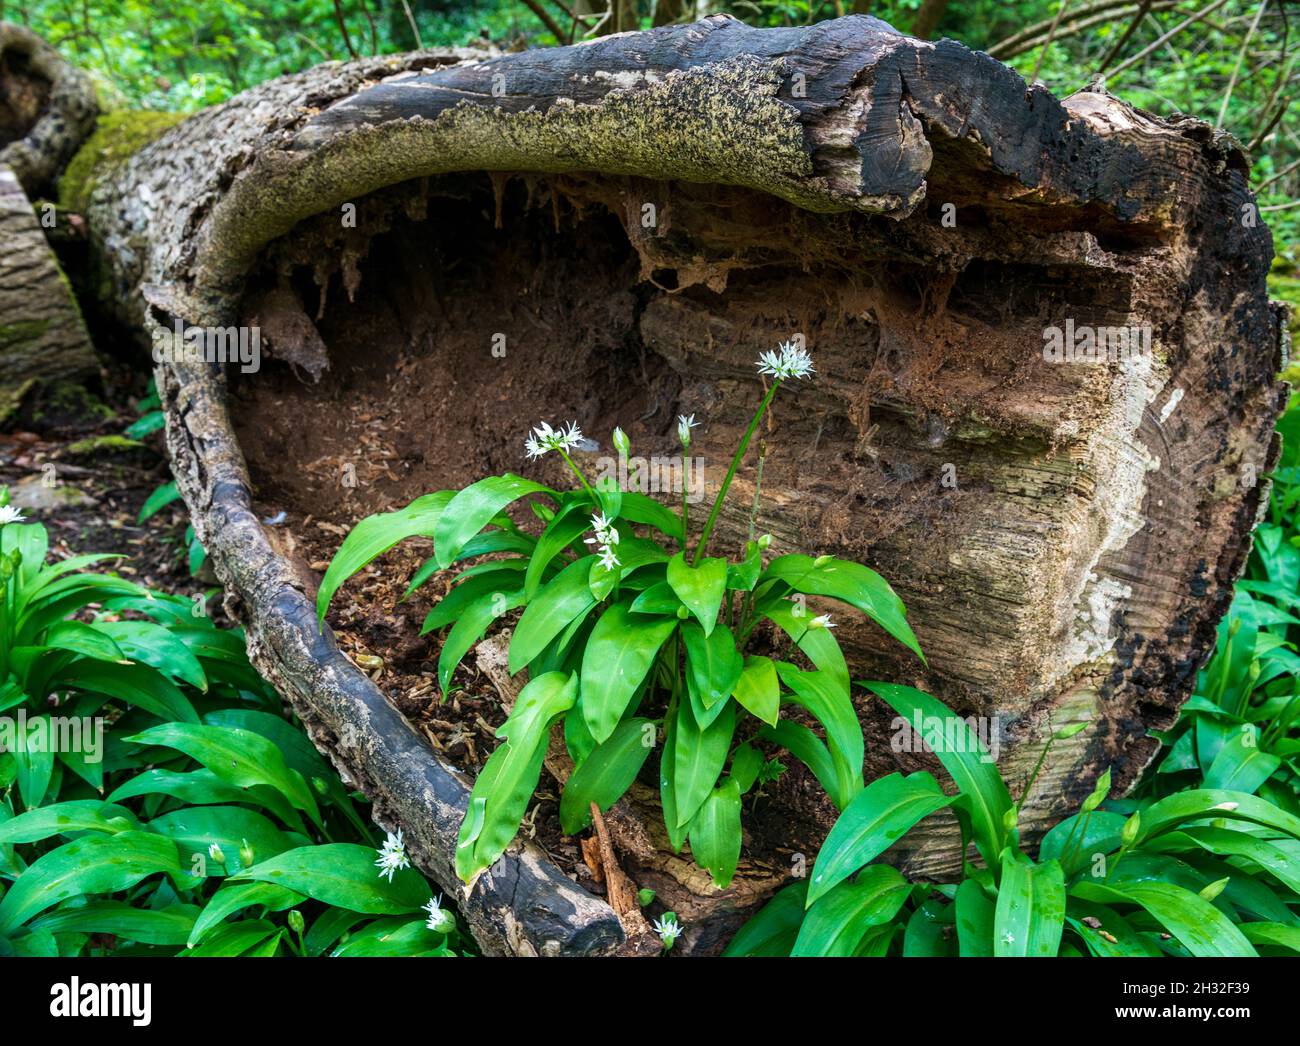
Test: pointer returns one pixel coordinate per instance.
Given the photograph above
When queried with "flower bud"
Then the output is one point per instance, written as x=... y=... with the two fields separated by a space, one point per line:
x=764 y=541
x=246 y=855
x=683 y=613
x=821 y=561
x=621 y=443
x=1213 y=890
x=216 y=853
x=1128 y=835
x=296 y=922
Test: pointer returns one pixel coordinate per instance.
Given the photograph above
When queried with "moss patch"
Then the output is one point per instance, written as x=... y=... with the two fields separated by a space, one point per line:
x=118 y=136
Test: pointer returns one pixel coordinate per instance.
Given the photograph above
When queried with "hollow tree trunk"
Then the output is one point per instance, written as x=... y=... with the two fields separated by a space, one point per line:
x=1065 y=535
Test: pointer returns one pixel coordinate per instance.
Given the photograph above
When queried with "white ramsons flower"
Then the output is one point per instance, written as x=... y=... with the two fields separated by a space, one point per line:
x=439 y=921
x=10 y=514
x=668 y=929
x=392 y=856
x=606 y=537
x=822 y=621
x=786 y=361
x=685 y=422
x=216 y=853
x=545 y=438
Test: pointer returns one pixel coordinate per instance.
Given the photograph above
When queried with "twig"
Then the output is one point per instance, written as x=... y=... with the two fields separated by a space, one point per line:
x=410 y=19
x=552 y=26
x=1280 y=174
x=1051 y=33
x=347 y=40
x=1189 y=20
x=1115 y=51
x=1236 y=69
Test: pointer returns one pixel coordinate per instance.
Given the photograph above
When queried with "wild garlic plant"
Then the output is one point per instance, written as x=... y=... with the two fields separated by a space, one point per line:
x=636 y=638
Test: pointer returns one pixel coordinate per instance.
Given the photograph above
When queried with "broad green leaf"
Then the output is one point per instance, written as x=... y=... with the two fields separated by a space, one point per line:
x=169 y=927
x=927 y=931
x=138 y=685
x=657 y=599
x=89 y=865
x=248 y=937
x=620 y=651
x=758 y=689
x=564 y=598
x=499 y=799
x=161 y=497
x=343 y=875
x=476 y=619
x=1030 y=913
x=1240 y=765
x=850 y=583
x=152 y=644
x=713 y=661
x=743 y=576
x=1199 y=926
x=983 y=792
x=374 y=536
x=80 y=638
x=877 y=817
x=817 y=644
x=808 y=748
x=395 y=936
x=975 y=914
x=1105 y=932
x=830 y=704
x=239 y=757
x=235 y=898
x=715 y=833
x=699 y=758
x=772 y=932
x=194 y=829
x=605 y=774
x=1276 y=935
x=837 y=923
x=78 y=815
x=642 y=509
x=473 y=508
x=700 y=588
x=569 y=524
x=1205 y=803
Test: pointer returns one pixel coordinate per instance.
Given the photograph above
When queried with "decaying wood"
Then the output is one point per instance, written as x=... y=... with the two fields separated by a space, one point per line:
x=42 y=337
x=1065 y=536
x=47 y=108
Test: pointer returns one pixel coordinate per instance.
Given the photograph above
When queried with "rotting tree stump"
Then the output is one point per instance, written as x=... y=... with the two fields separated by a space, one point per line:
x=633 y=219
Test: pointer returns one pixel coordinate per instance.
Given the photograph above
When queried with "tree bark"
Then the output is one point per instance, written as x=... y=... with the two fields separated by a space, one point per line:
x=1066 y=536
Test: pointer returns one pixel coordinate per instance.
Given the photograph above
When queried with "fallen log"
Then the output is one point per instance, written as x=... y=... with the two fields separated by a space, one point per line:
x=442 y=248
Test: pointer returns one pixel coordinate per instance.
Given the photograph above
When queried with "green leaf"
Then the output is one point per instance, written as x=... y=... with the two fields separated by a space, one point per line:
x=89 y=865
x=877 y=817
x=659 y=598
x=138 y=685
x=1111 y=936
x=194 y=829
x=620 y=651
x=1277 y=935
x=159 y=499
x=474 y=621
x=246 y=937
x=700 y=588
x=772 y=932
x=1198 y=803
x=715 y=833
x=565 y=598
x=837 y=923
x=569 y=524
x=641 y=509
x=605 y=774
x=168 y=927
x=984 y=793
x=850 y=583
x=473 y=508
x=343 y=875
x=374 y=536
x=1030 y=914
x=1240 y=765
x=152 y=644
x=713 y=661
x=975 y=915
x=758 y=690
x=699 y=758
x=817 y=644
x=808 y=748
x=829 y=703
x=235 y=898
x=1199 y=926
x=78 y=815
x=239 y=757
x=499 y=798
x=395 y=936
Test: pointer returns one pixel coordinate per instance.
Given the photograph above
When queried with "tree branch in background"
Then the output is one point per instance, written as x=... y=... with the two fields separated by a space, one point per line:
x=552 y=26
x=1236 y=69
x=927 y=18
x=1115 y=51
x=1071 y=28
x=1051 y=33
x=374 y=36
x=1155 y=44
x=343 y=28
x=415 y=29
x=669 y=11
